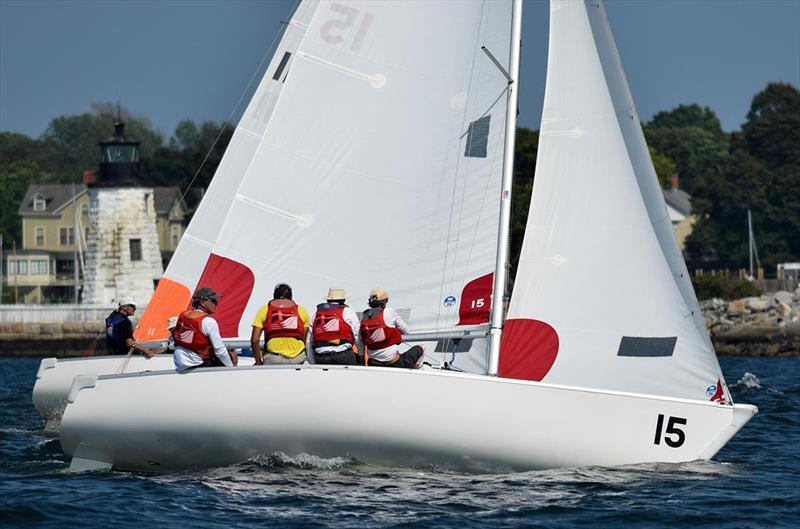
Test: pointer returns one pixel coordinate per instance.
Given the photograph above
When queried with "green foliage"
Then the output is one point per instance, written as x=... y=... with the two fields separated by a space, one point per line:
x=14 y=179
x=709 y=286
x=664 y=167
x=70 y=143
x=761 y=173
x=526 y=145
x=192 y=151
x=688 y=116
x=772 y=130
x=696 y=153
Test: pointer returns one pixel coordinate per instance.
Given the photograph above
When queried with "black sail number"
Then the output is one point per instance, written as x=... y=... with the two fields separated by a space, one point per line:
x=672 y=435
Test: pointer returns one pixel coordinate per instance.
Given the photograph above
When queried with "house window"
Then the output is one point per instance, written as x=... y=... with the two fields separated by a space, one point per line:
x=176 y=235
x=66 y=236
x=39 y=267
x=39 y=203
x=136 y=249
x=17 y=267
x=85 y=210
x=39 y=230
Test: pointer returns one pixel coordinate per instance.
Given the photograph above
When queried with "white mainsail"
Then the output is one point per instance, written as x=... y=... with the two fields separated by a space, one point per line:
x=380 y=166
x=602 y=298
x=187 y=264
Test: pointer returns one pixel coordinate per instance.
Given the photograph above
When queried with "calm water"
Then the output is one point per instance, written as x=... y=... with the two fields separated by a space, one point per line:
x=753 y=482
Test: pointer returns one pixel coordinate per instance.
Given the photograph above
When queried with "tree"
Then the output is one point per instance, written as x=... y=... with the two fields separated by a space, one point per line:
x=525 y=149
x=664 y=167
x=684 y=116
x=193 y=150
x=696 y=152
x=14 y=180
x=762 y=174
x=70 y=143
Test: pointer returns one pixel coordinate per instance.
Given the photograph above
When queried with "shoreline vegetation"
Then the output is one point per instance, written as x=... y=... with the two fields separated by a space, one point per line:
x=765 y=325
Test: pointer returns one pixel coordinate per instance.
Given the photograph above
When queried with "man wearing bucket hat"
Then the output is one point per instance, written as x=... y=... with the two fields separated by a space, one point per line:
x=334 y=331
x=196 y=334
x=285 y=326
x=119 y=330
x=381 y=331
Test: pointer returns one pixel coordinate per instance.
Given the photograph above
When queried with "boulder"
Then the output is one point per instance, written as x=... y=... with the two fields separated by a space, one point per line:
x=758 y=304
x=782 y=296
x=737 y=306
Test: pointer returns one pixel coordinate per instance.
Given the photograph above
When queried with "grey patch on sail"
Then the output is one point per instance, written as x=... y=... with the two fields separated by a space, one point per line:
x=282 y=66
x=477 y=138
x=451 y=345
x=638 y=346
x=405 y=314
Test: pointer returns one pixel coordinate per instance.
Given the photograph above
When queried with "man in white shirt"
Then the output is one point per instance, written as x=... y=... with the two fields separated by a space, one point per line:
x=196 y=334
x=334 y=331
x=381 y=331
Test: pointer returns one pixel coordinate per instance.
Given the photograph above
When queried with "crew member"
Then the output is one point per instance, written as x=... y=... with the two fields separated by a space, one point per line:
x=196 y=334
x=285 y=325
x=381 y=331
x=334 y=331
x=119 y=330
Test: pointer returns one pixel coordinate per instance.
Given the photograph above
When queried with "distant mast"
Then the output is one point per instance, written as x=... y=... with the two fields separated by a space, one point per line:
x=751 y=245
x=123 y=256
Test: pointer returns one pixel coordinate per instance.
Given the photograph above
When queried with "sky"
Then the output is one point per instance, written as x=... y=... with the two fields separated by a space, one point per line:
x=193 y=59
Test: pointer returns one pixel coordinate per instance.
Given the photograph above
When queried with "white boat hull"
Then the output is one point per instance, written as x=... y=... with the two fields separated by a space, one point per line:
x=214 y=417
x=54 y=378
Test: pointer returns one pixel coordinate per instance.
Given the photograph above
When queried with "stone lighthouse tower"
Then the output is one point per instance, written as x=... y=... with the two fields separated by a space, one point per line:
x=123 y=257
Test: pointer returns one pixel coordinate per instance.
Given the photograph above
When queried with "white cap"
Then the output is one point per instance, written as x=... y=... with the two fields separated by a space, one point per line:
x=127 y=300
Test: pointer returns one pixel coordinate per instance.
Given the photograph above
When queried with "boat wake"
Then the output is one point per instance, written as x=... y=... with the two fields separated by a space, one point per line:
x=749 y=383
x=304 y=461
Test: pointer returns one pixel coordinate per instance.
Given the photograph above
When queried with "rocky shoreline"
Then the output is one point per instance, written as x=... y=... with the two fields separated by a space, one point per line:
x=767 y=325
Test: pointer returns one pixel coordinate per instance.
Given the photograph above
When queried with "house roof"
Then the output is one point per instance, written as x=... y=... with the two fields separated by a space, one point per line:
x=164 y=198
x=679 y=200
x=55 y=195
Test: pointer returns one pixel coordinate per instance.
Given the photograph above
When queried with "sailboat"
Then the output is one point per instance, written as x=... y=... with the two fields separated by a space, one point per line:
x=378 y=151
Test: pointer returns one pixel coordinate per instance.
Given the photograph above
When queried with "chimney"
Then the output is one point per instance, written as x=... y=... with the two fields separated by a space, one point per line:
x=89 y=177
x=675 y=182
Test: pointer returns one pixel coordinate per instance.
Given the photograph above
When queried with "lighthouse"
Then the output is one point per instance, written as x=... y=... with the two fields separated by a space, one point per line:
x=123 y=257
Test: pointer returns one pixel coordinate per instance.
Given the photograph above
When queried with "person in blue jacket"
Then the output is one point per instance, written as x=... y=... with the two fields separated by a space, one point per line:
x=119 y=330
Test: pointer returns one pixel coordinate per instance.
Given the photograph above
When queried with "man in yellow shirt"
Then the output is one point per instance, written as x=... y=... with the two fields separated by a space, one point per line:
x=285 y=325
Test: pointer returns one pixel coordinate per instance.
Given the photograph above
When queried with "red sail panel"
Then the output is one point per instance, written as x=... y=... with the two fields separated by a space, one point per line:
x=476 y=300
x=528 y=349
x=235 y=282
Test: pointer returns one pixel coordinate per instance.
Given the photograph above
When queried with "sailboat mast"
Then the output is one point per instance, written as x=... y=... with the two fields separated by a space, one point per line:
x=500 y=270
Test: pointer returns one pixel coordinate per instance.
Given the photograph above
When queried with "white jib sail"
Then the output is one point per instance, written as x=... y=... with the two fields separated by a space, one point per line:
x=601 y=298
x=381 y=163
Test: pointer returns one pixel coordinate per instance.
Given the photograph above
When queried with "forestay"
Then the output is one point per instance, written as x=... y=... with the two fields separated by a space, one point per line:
x=380 y=165
x=602 y=298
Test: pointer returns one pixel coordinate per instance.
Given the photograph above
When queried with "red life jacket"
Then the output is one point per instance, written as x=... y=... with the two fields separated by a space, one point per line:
x=283 y=320
x=188 y=333
x=330 y=327
x=376 y=334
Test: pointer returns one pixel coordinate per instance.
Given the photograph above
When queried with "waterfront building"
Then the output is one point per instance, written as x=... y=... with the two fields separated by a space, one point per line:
x=679 y=208
x=60 y=227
